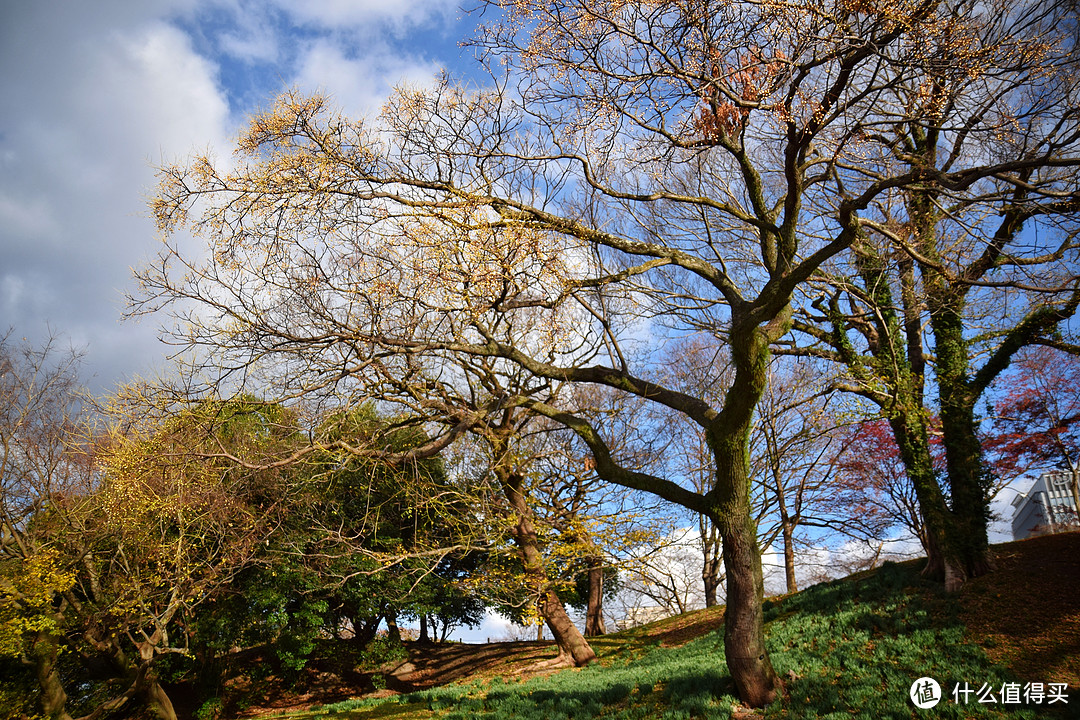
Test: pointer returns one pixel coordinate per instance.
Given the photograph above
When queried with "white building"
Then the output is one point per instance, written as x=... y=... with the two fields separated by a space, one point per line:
x=1049 y=506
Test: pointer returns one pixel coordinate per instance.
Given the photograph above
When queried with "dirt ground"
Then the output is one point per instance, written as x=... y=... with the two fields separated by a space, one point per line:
x=1026 y=614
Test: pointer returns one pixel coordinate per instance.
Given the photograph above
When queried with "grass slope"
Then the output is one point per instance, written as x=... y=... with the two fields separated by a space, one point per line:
x=849 y=648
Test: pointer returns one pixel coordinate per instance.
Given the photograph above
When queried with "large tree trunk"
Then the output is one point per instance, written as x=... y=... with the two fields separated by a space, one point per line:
x=393 y=632
x=967 y=542
x=157 y=701
x=424 y=636
x=572 y=644
x=53 y=696
x=912 y=438
x=967 y=546
x=364 y=629
x=729 y=504
x=744 y=636
x=594 y=609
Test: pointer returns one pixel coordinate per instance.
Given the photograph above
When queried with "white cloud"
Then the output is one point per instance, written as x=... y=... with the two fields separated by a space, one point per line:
x=365 y=13
x=359 y=84
x=97 y=93
x=253 y=40
x=98 y=99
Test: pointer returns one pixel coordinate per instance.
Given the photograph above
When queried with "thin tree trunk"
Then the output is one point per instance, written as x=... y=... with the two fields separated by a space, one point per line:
x=711 y=560
x=787 y=530
x=789 y=558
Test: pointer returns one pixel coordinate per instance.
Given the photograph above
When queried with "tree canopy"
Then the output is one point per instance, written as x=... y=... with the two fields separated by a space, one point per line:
x=632 y=174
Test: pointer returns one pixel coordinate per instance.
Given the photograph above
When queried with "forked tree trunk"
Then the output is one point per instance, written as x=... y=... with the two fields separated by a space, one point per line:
x=365 y=629
x=967 y=542
x=594 y=609
x=967 y=546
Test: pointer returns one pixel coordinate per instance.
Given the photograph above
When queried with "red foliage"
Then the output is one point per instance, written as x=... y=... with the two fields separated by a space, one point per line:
x=750 y=79
x=873 y=481
x=1036 y=422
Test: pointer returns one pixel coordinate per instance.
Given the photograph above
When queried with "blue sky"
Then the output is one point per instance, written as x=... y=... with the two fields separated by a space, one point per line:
x=97 y=94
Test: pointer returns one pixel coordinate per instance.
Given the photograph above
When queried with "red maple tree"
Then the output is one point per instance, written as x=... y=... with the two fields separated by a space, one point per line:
x=873 y=481
x=1036 y=423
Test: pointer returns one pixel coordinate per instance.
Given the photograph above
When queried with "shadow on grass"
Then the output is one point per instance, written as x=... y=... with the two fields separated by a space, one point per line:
x=846 y=649
x=855 y=647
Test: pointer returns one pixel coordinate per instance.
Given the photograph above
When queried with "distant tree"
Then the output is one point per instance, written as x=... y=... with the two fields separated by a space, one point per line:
x=873 y=484
x=795 y=445
x=44 y=478
x=665 y=575
x=1036 y=420
x=389 y=534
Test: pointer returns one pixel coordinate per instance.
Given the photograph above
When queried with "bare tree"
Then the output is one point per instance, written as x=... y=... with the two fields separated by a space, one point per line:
x=634 y=169
x=957 y=268
x=795 y=447
x=44 y=473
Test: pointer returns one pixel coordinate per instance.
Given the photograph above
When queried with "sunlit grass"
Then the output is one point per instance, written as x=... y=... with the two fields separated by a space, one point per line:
x=850 y=648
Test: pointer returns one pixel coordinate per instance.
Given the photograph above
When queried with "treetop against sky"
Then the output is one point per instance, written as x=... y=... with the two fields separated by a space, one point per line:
x=97 y=95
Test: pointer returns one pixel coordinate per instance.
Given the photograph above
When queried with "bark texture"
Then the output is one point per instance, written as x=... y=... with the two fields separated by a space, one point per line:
x=594 y=610
x=572 y=644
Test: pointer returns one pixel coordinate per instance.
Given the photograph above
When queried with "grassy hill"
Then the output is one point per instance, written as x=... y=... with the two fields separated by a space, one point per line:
x=849 y=648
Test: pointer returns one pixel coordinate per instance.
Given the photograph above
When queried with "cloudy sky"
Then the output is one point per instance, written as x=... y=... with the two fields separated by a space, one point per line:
x=95 y=94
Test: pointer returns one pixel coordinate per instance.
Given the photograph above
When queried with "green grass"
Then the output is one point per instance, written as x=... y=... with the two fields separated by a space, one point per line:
x=849 y=648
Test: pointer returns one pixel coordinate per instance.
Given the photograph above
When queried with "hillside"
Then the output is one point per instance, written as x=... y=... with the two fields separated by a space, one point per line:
x=851 y=647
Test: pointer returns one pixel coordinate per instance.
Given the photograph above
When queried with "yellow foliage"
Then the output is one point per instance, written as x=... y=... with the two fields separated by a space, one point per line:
x=28 y=589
